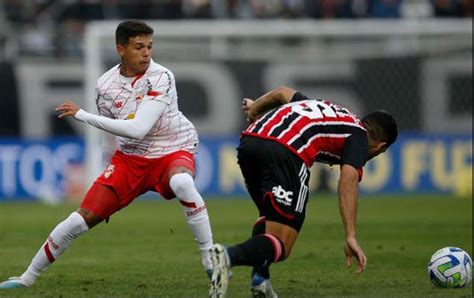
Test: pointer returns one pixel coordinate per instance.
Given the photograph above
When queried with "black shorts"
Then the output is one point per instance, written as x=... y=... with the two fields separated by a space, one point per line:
x=276 y=178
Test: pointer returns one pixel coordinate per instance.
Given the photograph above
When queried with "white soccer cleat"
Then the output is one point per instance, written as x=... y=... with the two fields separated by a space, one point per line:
x=262 y=288
x=14 y=283
x=220 y=274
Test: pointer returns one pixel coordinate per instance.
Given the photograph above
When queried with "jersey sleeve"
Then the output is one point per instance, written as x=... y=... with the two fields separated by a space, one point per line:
x=161 y=87
x=355 y=152
x=147 y=114
x=298 y=96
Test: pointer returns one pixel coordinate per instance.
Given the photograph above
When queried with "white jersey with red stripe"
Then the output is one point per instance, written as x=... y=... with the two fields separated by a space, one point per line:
x=313 y=129
x=118 y=97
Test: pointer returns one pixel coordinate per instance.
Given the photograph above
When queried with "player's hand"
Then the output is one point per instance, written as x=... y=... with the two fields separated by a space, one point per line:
x=246 y=104
x=246 y=107
x=353 y=249
x=67 y=108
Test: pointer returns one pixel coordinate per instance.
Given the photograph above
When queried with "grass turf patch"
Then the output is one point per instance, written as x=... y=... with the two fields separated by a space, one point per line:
x=147 y=249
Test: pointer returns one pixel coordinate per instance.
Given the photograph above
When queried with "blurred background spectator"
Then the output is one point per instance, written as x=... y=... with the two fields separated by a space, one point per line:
x=54 y=27
x=452 y=8
x=384 y=8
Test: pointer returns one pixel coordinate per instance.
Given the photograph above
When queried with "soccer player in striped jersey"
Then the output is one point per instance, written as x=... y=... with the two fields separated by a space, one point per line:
x=287 y=134
x=137 y=102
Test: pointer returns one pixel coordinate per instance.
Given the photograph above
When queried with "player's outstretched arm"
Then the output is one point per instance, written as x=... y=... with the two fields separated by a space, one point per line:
x=348 y=192
x=146 y=115
x=266 y=102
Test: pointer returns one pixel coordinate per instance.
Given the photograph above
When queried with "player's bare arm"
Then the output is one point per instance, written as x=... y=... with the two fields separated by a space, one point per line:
x=348 y=191
x=266 y=102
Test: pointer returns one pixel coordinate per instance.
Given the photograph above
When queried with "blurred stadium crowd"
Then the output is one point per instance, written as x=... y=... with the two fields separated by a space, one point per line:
x=55 y=27
x=410 y=57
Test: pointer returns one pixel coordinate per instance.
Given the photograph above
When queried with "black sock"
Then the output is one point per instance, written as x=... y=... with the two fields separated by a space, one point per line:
x=258 y=251
x=258 y=229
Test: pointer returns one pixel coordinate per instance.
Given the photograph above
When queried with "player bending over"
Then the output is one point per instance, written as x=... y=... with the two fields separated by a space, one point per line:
x=137 y=102
x=287 y=134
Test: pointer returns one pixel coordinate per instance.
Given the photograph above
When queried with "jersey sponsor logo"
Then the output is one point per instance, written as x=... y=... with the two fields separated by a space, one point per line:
x=282 y=196
x=118 y=104
x=109 y=171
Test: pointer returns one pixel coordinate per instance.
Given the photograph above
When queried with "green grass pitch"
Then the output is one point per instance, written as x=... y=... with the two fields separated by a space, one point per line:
x=147 y=249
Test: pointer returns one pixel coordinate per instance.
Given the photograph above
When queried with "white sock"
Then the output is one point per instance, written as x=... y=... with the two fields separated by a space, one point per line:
x=195 y=213
x=59 y=239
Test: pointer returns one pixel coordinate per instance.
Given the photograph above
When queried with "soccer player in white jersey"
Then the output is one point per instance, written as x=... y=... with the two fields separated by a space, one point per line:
x=137 y=102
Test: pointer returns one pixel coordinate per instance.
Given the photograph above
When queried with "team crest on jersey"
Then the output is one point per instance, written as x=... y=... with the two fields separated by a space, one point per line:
x=145 y=89
x=150 y=91
x=149 y=85
x=140 y=91
x=109 y=171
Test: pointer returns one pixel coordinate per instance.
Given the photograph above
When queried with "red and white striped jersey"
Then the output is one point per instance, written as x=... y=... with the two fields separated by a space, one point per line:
x=315 y=130
x=118 y=97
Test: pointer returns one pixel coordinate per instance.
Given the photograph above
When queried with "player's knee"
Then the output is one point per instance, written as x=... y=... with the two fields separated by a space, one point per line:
x=90 y=218
x=181 y=182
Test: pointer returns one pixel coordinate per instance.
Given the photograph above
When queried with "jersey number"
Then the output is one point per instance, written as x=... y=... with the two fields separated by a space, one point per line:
x=316 y=109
